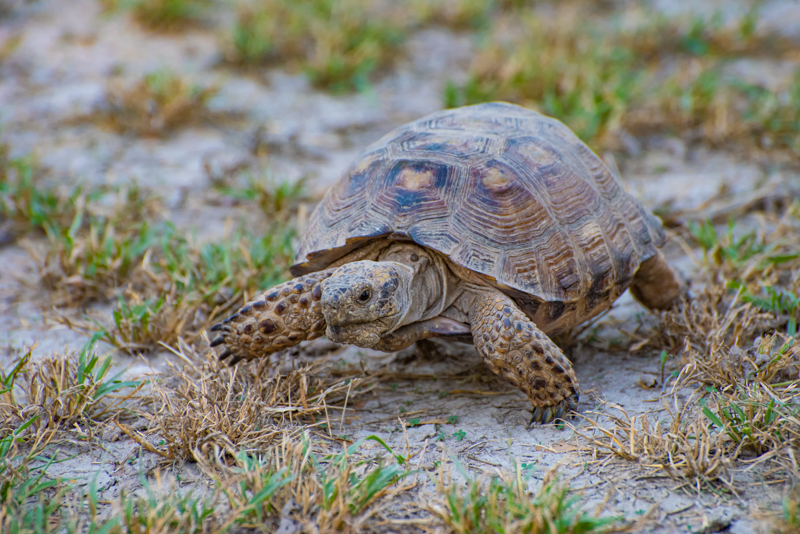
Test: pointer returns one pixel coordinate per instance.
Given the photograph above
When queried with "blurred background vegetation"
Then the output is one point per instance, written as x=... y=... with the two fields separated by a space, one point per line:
x=607 y=69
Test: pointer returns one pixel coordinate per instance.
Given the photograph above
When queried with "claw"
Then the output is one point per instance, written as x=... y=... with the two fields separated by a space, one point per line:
x=225 y=354
x=542 y=414
x=547 y=414
x=217 y=341
x=217 y=327
x=572 y=405
x=235 y=360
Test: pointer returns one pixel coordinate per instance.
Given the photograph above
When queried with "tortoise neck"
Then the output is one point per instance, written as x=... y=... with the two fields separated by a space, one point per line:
x=432 y=288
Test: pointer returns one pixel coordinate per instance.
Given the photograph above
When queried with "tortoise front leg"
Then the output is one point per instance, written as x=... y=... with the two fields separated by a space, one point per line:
x=513 y=347
x=279 y=318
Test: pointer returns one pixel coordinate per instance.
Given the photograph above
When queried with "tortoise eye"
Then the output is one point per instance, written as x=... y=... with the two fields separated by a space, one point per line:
x=365 y=295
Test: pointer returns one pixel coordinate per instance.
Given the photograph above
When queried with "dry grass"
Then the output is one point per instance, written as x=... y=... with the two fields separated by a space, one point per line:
x=155 y=509
x=554 y=64
x=455 y=14
x=62 y=397
x=200 y=411
x=767 y=254
x=726 y=367
x=287 y=486
x=113 y=244
x=72 y=391
x=703 y=36
x=202 y=404
x=709 y=322
x=95 y=235
x=277 y=199
x=155 y=105
x=167 y=286
x=221 y=417
x=684 y=445
x=343 y=45
x=699 y=443
x=183 y=287
x=756 y=417
x=700 y=103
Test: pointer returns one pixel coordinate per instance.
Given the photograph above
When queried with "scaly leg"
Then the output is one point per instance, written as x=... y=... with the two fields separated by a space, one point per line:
x=279 y=318
x=513 y=347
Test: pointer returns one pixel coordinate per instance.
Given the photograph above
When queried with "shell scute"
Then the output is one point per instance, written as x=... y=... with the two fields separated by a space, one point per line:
x=492 y=118
x=444 y=144
x=481 y=260
x=408 y=184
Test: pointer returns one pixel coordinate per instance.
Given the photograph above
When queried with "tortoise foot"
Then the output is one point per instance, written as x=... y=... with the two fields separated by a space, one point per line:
x=514 y=347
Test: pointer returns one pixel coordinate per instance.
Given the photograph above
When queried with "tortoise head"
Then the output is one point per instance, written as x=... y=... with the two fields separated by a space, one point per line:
x=363 y=300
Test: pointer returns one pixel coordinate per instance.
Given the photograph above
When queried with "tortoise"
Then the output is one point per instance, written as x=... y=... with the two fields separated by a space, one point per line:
x=489 y=224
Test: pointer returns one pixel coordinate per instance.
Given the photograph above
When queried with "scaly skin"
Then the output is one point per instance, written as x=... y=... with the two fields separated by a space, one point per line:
x=513 y=347
x=657 y=285
x=281 y=317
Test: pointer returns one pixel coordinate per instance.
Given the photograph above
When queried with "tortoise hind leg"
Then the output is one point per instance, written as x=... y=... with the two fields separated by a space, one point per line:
x=281 y=317
x=657 y=285
x=513 y=347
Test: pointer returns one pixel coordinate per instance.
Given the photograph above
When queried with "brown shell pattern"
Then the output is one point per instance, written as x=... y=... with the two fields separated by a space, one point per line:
x=501 y=190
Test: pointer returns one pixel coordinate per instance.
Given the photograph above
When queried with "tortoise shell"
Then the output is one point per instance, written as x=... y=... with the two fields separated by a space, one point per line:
x=503 y=191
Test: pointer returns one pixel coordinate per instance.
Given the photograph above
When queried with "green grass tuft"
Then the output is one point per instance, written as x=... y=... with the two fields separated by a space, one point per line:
x=340 y=45
x=504 y=503
x=275 y=197
x=162 y=15
x=30 y=501
x=660 y=75
x=27 y=203
x=158 y=103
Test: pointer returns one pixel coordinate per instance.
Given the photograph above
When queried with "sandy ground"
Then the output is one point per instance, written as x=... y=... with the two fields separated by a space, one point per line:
x=58 y=73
